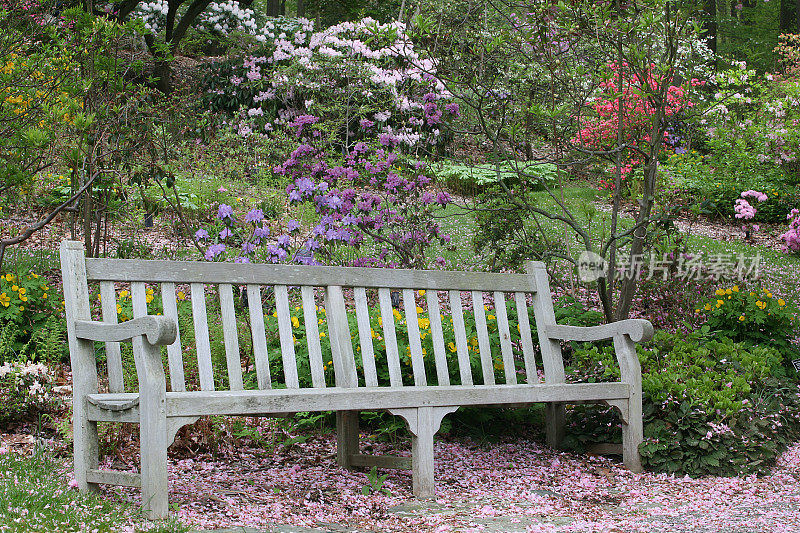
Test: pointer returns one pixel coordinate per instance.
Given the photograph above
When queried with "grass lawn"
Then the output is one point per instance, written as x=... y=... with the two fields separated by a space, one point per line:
x=35 y=495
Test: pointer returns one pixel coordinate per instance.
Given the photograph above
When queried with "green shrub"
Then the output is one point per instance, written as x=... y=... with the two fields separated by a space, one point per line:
x=713 y=187
x=26 y=303
x=711 y=405
x=755 y=317
x=472 y=179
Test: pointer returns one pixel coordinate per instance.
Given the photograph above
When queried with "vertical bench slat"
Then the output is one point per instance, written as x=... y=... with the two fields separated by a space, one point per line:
x=139 y=298
x=389 y=337
x=531 y=375
x=487 y=365
x=365 y=337
x=108 y=299
x=505 y=338
x=344 y=365
x=414 y=341
x=231 y=336
x=259 y=335
x=312 y=337
x=201 y=339
x=461 y=338
x=434 y=313
x=177 y=380
x=285 y=333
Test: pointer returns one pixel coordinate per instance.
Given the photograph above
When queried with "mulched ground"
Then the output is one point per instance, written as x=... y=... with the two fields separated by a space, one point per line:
x=505 y=486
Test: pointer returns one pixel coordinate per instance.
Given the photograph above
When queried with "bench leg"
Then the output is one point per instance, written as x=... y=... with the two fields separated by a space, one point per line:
x=423 y=423
x=633 y=435
x=422 y=454
x=554 y=418
x=152 y=431
x=346 y=437
x=153 y=439
x=86 y=451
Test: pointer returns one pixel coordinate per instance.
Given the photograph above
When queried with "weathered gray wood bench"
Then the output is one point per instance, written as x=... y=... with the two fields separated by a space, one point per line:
x=160 y=411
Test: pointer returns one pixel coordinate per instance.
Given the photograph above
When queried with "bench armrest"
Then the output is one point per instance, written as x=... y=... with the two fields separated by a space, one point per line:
x=637 y=329
x=160 y=330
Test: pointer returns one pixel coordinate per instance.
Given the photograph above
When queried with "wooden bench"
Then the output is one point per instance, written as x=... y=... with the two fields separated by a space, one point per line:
x=160 y=411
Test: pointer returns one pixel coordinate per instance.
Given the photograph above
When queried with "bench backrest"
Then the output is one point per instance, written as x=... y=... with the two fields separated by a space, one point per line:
x=320 y=300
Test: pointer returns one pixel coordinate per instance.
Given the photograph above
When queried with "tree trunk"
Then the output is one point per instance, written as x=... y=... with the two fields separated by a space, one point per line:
x=301 y=8
x=710 y=23
x=163 y=71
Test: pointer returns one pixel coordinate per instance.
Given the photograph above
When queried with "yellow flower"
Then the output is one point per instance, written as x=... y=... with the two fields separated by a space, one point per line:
x=719 y=303
x=451 y=346
x=741 y=318
x=4 y=299
x=728 y=291
x=275 y=314
x=421 y=293
x=23 y=290
x=148 y=298
x=781 y=302
x=14 y=288
x=491 y=317
x=396 y=314
x=321 y=334
x=719 y=292
x=9 y=277
x=761 y=304
x=23 y=298
x=181 y=295
x=119 y=308
x=420 y=310
x=735 y=288
x=696 y=310
x=380 y=321
x=752 y=294
x=295 y=322
x=44 y=296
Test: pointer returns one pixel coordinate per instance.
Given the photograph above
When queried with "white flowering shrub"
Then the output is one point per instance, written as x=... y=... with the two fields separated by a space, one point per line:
x=222 y=18
x=363 y=77
x=26 y=389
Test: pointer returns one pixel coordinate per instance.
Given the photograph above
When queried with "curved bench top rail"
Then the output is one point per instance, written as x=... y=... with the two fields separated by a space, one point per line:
x=133 y=270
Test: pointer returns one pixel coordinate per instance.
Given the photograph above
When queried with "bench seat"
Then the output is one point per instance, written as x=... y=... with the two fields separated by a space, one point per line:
x=275 y=401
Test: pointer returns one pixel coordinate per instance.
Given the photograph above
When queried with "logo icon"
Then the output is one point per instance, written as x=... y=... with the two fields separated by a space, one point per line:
x=591 y=266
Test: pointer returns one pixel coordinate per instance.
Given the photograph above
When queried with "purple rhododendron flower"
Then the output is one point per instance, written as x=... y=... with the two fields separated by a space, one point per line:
x=284 y=240
x=225 y=233
x=365 y=123
x=254 y=215
x=214 y=250
x=201 y=235
x=261 y=232
x=224 y=211
x=304 y=185
x=241 y=260
x=453 y=109
x=292 y=225
x=248 y=247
